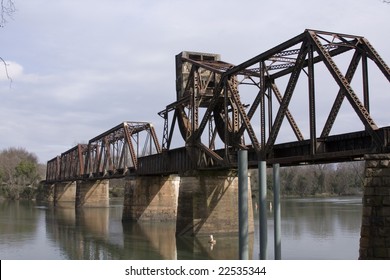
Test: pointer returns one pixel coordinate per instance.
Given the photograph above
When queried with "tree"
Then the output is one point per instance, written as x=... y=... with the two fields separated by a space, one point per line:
x=7 y=10
x=19 y=170
x=322 y=179
x=348 y=178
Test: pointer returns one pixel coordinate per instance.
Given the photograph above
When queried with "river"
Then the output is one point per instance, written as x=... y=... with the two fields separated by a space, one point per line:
x=312 y=228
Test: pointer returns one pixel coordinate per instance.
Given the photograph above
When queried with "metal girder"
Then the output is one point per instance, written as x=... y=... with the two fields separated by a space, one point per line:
x=289 y=116
x=71 y=162
x=53 y=169
x=343 y=83
x=118 y=149
x=340 y=96
x=287 y=97
x=110 y=154
x=373 y=54
x=244 y=117
x=209 y=94
x=346 y=88
x=287 y=60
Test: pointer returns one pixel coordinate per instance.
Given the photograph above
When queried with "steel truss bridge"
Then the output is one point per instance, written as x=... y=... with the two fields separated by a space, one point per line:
x=221 y=108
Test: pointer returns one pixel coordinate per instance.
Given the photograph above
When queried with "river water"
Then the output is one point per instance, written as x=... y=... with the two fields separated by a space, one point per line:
x=312 y=228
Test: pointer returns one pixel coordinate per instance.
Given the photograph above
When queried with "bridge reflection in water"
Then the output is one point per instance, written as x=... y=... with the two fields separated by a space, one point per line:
x=98 y=233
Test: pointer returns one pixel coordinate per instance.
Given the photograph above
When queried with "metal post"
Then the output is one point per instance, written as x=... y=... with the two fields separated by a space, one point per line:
x=277 y=212
x=243 y=204
x=263 y=209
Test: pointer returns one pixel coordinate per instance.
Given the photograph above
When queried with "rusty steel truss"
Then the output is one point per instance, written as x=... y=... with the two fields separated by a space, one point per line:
x=221 y=108
x=210 y=109
x=111 y=154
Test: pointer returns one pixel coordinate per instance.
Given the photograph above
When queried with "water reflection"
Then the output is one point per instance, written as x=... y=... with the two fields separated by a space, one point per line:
x=311 y=229
x=98 y=233
x=199 y=248
x=17 y=224
x=321 y=217
x=319 y=228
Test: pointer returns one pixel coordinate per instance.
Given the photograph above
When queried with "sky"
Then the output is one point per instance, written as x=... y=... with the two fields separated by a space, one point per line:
x=81 y=67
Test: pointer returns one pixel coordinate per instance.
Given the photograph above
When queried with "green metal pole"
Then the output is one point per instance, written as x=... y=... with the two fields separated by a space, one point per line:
x=263 y=209
x=243 y=204
x=277 y=212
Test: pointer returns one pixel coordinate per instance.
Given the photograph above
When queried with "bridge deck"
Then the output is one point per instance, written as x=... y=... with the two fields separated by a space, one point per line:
x=336 y=148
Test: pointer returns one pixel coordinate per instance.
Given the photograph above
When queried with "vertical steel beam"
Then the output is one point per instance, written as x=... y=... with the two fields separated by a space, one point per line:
x=270 y=116
x=312 y=109
x=226 y=128
x=194 y=98
x=243 y=204
x=262 y=108
x=263 y=230
x=277 y=213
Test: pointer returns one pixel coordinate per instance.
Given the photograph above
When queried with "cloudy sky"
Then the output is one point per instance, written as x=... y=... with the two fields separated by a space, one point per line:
x=80 y=67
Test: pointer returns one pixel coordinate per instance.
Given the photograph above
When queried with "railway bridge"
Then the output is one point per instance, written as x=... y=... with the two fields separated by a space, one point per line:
x=319 y=97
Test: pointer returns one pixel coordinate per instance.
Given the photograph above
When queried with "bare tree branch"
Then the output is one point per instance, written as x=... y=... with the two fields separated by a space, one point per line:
x=6 y=71
x=7 y=10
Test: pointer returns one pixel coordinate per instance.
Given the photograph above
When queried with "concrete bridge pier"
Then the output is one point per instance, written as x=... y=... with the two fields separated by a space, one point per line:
x=208 y=204
x=203 y=203
x=375 y=228
x=92 y=193
x=64 y=192
x=150 y=198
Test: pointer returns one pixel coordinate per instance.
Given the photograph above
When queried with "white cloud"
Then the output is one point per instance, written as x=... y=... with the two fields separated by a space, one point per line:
x=10 y=70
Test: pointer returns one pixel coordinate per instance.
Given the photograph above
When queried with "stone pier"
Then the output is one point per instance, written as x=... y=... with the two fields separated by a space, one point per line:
x=208 y=204
x=92 y=193
x=202 y=203
x=151 y=198
x=375 y=229
x=64 y=192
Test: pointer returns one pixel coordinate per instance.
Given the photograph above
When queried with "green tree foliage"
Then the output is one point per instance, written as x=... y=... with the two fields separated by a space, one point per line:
x=323 y=179
x=20 y=173
x=317 y=180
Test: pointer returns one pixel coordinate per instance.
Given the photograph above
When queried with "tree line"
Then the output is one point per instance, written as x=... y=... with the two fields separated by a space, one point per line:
x=317 y=180
x=20 y=174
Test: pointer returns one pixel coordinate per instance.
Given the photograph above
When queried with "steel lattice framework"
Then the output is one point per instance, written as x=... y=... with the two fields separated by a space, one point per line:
x=111 y=154
x=208 y=96
x=221 y=108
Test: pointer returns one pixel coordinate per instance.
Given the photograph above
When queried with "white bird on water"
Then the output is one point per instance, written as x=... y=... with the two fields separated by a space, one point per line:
x=212 y=241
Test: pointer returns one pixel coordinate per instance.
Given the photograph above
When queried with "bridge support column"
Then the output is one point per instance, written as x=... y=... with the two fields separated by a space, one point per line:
x=375 y=228
x=92 y=193
x=151 y=198
x=208 y=204
x=64 y=192
x=48 y=193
